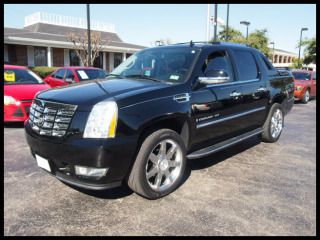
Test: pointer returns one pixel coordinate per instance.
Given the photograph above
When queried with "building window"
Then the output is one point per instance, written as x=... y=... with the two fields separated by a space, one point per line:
x=98 y=62
x=117 y=59
x=289 y=59
x=17 y=55
x=280 y=59
x=40 y=56
x=74 y=59
x=58 y=57
x=275 y=59
x=285 y=59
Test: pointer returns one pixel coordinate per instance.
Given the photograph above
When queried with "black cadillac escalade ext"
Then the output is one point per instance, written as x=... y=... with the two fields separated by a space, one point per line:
x=160 y=107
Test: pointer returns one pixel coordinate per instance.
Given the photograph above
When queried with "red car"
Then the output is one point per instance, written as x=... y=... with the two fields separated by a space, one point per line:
x=304 y=85
x=20 y=87
x=66 y=75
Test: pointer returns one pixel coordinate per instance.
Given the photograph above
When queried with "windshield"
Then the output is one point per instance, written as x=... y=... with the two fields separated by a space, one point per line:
x=21 y=76
x=163 y=64
x=301 y=75
x=90 y=74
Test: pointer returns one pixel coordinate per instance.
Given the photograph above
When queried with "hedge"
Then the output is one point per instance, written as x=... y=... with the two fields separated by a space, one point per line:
x=43 y=71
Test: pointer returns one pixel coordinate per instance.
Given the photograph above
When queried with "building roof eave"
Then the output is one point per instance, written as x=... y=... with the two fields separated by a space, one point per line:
x=60 y=44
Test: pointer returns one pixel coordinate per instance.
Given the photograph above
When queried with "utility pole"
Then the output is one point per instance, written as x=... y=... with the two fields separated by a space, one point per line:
x=89 y=35
x=208 y=22
x=227 y=27
x=246 y=23
x=302 y=29
x=215 y=21
x=272 y=51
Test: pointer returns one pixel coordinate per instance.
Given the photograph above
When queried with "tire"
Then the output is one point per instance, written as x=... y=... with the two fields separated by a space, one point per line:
x=152 y=161
x=273 y=126
x=306 y=97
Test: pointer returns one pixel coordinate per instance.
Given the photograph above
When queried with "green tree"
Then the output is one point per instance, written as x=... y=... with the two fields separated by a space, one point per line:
x=257 y=39
x=233 y=35
x=310 y=50
x=296 y=63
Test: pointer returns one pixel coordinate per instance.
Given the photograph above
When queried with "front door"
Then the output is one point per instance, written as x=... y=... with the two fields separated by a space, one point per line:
x=58 y=78
x=215 y=106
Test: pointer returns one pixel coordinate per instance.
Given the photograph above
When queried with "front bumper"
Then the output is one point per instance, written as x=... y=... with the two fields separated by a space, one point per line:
x=13 y=113
x=298 y=94
x=63 y=154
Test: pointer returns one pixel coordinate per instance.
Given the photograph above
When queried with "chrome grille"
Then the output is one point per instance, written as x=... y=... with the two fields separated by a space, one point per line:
x=50 y=118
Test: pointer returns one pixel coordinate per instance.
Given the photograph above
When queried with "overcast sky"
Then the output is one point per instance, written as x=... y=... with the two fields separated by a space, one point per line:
x=145 y=23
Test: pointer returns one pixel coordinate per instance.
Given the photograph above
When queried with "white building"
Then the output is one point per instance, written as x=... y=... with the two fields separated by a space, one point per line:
x=282 y=58
x=43 y=42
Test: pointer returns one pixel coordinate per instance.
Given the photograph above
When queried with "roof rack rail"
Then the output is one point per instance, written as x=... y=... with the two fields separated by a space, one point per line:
x=191 y=43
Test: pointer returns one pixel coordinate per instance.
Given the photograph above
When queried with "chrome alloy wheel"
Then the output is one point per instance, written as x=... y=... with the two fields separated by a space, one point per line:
x=276 y=123
x=307 y=96
x=164 y=165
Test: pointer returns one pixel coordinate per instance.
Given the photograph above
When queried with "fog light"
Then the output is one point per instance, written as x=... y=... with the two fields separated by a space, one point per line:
x=90 y=172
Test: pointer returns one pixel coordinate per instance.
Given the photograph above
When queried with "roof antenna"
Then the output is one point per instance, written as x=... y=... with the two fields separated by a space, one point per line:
x=191 y=43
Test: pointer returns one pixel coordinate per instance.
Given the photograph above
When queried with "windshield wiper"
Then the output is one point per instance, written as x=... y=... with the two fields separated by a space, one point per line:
x=114 y=75
x=143 y=77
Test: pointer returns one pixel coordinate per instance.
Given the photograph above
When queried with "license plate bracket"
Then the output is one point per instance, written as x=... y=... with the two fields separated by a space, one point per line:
x=43 y=163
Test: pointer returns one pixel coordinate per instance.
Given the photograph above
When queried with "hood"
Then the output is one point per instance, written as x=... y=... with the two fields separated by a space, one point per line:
x=86 y=94
x=301 y=82
x=24 y=91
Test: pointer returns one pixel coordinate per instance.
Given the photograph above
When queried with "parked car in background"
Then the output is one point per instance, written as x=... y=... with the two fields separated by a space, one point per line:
x=67 y=75
x=304 y=85
x=20 y=87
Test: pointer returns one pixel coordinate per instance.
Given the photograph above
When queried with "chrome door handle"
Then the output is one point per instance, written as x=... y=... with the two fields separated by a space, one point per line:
x=235 y=94
x=261 y=89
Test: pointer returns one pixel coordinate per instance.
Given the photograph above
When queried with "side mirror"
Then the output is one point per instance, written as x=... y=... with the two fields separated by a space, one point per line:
x=214 y=77
x=69 y=80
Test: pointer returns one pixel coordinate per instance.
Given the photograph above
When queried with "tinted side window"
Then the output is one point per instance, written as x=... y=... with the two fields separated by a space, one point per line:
x=69 y=74
x=246 y=65
x=218 y=64
x=266 y=62
x=60 y=74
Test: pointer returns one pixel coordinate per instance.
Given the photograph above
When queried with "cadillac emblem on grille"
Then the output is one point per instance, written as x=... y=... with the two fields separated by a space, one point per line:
x=50 y=118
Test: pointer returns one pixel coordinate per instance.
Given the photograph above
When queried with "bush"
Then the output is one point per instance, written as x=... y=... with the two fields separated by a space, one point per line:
x=43 y=71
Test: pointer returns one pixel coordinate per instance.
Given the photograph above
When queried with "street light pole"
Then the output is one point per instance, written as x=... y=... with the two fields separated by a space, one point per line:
x=208 y=21
x=272 y=51
x=215 y=21
x=247 y=24
x=89 y=35
x=302 y=29
x=227 y=27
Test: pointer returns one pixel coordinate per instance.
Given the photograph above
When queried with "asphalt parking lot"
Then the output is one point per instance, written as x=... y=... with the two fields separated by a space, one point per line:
x=252 y=188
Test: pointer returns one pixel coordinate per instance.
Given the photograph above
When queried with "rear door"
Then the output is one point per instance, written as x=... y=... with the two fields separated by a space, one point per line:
x=254 y=92
x=215 y=106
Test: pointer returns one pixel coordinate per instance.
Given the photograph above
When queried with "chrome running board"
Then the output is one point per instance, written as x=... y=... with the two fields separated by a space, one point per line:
x=221 y=145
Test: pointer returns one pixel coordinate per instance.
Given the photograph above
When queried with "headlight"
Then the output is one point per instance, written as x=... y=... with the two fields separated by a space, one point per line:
x=299 y=87
x=102 y=121
x=8 y=100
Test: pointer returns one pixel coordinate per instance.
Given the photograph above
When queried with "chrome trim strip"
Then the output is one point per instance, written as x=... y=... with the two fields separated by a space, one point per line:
x=234 y=82
x=229 y=117
x=193 y=156
x=57 y=103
